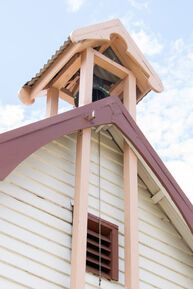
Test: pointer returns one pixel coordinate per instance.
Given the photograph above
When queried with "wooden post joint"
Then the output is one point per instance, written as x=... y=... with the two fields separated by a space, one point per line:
x=158 y=197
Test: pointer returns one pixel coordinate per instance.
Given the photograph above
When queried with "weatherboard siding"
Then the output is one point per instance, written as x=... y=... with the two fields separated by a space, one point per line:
x=36 y=222
x=165 y=259
x=36 y=219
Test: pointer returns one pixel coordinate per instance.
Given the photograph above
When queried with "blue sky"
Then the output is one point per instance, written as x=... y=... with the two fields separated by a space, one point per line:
x=32 y=30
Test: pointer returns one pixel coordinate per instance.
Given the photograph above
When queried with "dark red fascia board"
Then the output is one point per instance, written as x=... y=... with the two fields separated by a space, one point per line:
x=18 y=144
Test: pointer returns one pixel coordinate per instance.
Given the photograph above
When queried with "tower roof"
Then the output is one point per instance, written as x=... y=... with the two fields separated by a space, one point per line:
x=111 y=34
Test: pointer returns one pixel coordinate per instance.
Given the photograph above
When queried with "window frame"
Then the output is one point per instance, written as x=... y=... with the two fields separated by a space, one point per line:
x=114 y=258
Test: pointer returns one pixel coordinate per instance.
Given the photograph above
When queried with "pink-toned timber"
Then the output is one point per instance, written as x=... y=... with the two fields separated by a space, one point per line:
x=130 y=194
x=79 y=229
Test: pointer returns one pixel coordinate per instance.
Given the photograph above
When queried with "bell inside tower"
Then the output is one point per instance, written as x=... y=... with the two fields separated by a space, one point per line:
x=102 y=80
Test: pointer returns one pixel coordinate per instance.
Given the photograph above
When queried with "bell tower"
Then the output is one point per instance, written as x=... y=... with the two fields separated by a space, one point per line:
x=96 y=62
x=114 y=56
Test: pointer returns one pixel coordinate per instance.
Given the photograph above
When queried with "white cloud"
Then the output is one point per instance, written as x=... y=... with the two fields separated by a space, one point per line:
x=147 y=42
x=64 y=106
x=167 y=118
x=178 y=44
x=13 y=116
x=183 y=172
x=75 y=5
x=139 y=4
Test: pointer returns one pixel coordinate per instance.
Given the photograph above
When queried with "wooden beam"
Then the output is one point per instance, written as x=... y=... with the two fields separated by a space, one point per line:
x=52 y=101
x=158 y=197
x=129 y=94
x=65 y=95
x=79 y=231
x=67 y=73
x=75 y=88
x=86 y=77
x=147 y=178
x=117 y=89
x=140 y=74
x=110 y=65
x=101 y=31
x=130 y=194
x=106 y=45
x=119 y=50
x=73 y=83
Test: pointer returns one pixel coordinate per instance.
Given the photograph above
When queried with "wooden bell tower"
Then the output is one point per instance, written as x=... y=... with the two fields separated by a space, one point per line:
x=105 y=58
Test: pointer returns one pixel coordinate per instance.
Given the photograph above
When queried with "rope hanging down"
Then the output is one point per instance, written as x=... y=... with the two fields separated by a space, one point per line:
x=99 y=156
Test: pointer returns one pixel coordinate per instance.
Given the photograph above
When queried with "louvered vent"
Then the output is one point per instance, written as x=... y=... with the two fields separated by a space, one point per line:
x=103 y=252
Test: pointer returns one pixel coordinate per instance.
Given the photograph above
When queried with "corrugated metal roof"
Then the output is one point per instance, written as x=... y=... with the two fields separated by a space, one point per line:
x=147 y=79
x=49 y=63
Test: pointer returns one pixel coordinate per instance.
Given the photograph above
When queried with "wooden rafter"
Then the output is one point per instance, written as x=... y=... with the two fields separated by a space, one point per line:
x=75 y=88
x=66 y=73
x=106 y=45
x=117 y=88
x=73 y=83
x=141 y=76
x=66 y=95
x=110 y=65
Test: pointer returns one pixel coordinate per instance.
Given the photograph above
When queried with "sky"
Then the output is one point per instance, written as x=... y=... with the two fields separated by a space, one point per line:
x=31 y=31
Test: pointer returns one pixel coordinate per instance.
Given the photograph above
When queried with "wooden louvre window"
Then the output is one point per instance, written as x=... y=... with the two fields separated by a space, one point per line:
x=102 y=248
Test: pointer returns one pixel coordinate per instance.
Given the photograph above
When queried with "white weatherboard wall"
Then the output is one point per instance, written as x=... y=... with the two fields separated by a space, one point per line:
x=165 y=259
x=36 y=220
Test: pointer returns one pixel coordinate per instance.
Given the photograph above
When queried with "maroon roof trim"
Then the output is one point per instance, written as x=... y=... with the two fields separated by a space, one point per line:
x=18 y=144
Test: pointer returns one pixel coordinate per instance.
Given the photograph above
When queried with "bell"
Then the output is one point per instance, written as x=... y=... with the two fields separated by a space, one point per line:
x=98 y=92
